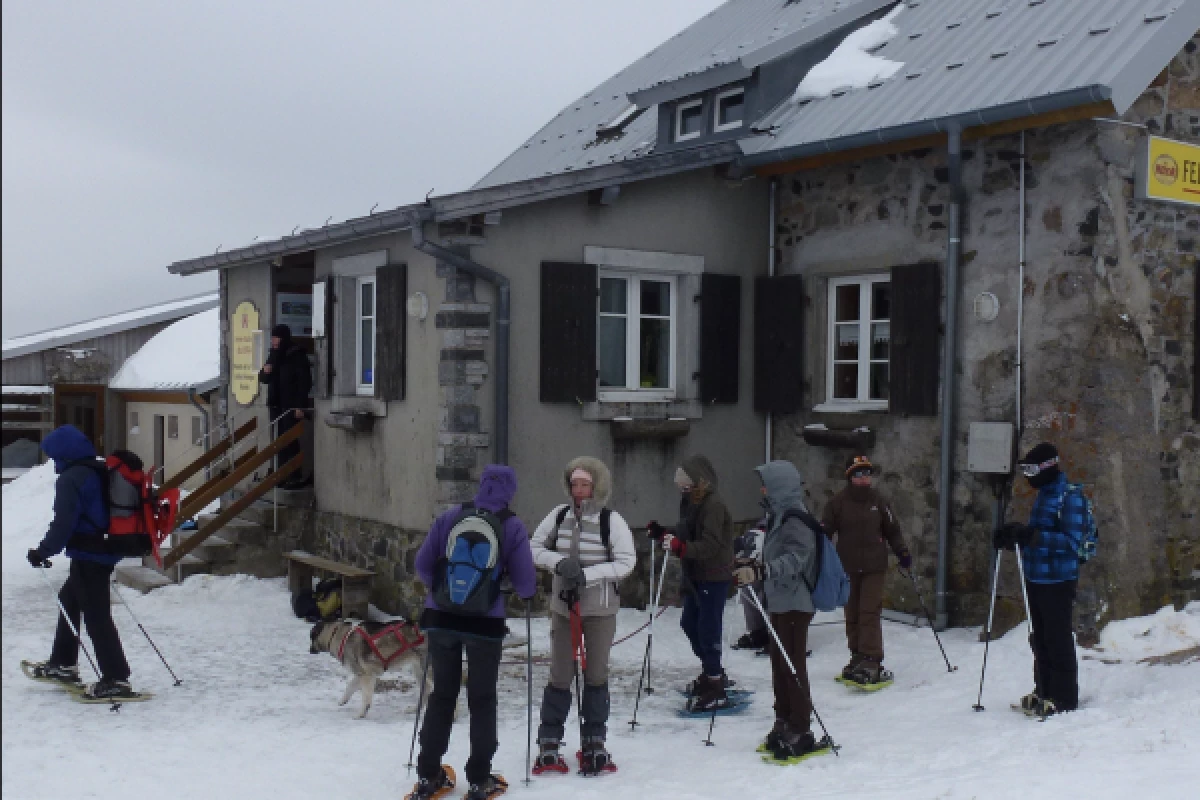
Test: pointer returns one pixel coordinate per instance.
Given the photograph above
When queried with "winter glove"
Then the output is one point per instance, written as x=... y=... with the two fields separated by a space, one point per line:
x=905 y=559
x=749 y=574
x=655 y=531
x=1022 y=535
x=675 y=545
x=571 y=572
x=36 y=559
x=1011 y=534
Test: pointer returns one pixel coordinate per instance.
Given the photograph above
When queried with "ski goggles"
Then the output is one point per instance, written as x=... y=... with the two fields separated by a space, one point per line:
x=1030 y=470
x=862 y=472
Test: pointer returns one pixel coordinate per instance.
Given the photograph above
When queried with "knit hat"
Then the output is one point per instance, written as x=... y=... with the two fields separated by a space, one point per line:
x=857 y=463
x=580 y=472
x=682 y=479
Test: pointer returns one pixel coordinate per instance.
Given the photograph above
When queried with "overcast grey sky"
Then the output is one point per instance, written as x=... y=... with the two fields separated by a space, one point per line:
x=139 y=133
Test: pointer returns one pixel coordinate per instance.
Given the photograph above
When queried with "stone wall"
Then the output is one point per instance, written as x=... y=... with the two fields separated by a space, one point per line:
x=1109 y=294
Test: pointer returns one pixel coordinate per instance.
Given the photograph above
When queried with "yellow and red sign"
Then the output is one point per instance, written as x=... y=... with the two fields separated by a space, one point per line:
x=1169 y=170
x=244 y=378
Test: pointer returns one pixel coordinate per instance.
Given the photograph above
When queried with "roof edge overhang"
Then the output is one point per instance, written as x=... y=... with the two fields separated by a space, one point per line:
x=204 y=387
x=1133 y=78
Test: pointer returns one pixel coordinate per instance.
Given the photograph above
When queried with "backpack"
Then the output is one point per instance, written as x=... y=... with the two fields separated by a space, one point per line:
x=467 y=576
x=320 y=603
x=139 y=518
x=605 y=539
x=831 y=590
x=1086 y=548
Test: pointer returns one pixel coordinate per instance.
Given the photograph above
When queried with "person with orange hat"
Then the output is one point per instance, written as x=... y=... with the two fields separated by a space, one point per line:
x=865 y=526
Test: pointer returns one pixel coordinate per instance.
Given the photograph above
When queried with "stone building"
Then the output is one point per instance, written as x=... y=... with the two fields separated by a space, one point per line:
x=666 y=267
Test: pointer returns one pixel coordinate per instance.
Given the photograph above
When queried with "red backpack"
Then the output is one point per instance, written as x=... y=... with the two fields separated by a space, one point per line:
x=139 y=518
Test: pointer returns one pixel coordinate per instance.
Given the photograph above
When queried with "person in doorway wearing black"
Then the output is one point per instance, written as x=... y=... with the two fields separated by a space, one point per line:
x=288 y=378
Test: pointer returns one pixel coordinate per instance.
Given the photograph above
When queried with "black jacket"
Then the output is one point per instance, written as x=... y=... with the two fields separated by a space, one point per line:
x=290 y=379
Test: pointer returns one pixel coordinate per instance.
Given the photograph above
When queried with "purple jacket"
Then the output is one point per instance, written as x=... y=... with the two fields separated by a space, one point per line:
x=497 y=487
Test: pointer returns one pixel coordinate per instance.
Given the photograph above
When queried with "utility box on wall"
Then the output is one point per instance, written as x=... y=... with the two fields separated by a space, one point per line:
x=989 y=447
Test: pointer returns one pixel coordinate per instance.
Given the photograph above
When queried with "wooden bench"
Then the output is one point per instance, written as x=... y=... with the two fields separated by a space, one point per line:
x=356 y=583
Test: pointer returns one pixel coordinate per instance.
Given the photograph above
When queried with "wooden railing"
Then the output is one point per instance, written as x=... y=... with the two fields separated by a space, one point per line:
x=211 y=455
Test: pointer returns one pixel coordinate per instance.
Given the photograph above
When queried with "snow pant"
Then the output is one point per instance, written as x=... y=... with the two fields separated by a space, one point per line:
x=793 y=702
x=703 y=614
x=483 y=670
x=598 y=635
x=864 y=628
x=754 y=619
x=1055 y=670
x=286 y=423
x=87 y=591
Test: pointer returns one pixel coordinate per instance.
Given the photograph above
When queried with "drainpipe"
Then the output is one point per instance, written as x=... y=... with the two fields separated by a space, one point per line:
x=1020 y=297
x=773 y=191
x=191 y=393
x=503 y=319
x=949 y=359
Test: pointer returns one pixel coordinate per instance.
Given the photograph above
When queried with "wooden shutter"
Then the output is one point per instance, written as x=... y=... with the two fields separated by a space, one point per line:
x=391 y=290
x=325 y=346
x=720 y=326
x=341 y=346
x=778 y=343
x=916 y=328
x=568 y=332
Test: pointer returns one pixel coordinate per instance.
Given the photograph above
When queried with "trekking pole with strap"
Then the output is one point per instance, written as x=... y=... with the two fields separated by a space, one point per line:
x=579 y=657
x=791 y=666
x=529 y=691
x=138 y=622
x=78 y=639
x=929 y=617
x=987 y=632
x=412 y=746
x=644 y=675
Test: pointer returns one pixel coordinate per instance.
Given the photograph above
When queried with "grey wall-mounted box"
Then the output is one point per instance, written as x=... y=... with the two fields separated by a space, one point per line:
x=989 y=447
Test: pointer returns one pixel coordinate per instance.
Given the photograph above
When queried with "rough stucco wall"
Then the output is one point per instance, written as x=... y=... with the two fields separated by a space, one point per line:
x=1108 y=344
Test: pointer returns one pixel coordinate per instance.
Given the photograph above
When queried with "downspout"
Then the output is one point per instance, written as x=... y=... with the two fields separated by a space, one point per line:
x=773 y=191
x=1020 y=297
x=503 y=320
x=191 y=393
x=949 y=361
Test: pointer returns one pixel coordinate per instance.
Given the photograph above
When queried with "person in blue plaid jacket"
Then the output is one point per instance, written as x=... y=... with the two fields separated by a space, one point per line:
x=1050 y=553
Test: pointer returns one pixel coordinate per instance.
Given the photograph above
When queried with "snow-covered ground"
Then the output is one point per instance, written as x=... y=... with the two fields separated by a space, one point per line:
x=257 y=716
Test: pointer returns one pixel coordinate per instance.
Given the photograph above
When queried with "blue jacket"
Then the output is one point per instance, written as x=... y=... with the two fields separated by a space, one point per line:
x=1058 y=519
x=79 y=506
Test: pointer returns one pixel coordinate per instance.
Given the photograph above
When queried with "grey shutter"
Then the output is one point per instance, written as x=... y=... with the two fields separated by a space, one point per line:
x=342 y=345
x=720 y=329
x=916 y=329
x=778 y=343
x=391 y=289
x=568 y=332
x=325 y=345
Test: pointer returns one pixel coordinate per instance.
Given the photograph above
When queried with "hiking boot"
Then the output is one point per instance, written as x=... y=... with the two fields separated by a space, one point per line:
x=111 y=689
x=433 y=788
x=792 y=744
x=67 y=677
x=869 y=671
x=594 y=758
x=1029 y=702
x=491 y=786
x=709 y=695
x=1043 y=708
x=751 y=640
x=693 y=687
x=855 y=660
x=775 y=737
x=549 y=759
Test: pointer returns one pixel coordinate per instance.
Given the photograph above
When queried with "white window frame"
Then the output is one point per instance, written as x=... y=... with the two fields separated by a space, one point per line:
x=729 y=126
x=680 y=136
x=862 y=401
x=632 y=392
x=360 y=388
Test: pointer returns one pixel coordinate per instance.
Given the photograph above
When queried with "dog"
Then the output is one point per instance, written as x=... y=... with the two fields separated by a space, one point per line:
x=401 y=643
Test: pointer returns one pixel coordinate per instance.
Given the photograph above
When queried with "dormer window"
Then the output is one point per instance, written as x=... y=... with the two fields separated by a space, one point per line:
x=730 y=110
x=689 y=120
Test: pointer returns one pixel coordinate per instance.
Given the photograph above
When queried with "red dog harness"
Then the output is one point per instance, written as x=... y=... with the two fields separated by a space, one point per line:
x=394 y=628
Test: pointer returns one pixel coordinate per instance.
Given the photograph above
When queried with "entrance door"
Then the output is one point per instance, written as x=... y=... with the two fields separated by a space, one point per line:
x=160 y=440
x=83 y=407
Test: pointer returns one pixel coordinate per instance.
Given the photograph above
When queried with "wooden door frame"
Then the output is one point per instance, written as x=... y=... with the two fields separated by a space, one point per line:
x=96 y=390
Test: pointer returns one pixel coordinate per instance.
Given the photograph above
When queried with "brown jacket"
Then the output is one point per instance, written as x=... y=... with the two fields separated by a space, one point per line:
x=862 y=520
x=706 y=526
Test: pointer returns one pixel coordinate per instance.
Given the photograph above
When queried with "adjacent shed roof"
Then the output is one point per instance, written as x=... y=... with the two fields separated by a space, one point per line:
x=112 y=323
x=184 y=355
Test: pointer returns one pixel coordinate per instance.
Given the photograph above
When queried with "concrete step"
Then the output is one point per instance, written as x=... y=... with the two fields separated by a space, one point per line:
x=188 y=565
x=295 y=498
x=139 y=577
x=241 y=531
x=216 y=549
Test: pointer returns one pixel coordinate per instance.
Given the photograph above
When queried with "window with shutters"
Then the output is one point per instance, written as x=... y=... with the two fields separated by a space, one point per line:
x=859 y=337
x=364 y=347
x=635 y=336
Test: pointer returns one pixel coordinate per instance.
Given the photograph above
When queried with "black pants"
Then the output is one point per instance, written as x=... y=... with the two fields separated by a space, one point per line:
x=1055 y=670
x=702 y=618
x=483 y=671
x=286 y=423
x=87 y=590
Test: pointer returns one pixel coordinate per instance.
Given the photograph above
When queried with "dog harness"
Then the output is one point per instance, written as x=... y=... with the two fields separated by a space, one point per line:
x=396 y=629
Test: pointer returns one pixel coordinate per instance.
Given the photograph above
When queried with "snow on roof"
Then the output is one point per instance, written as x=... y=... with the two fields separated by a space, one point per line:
x=852 y=65
x=112 y=323
x=184 y=355
x=14 y=388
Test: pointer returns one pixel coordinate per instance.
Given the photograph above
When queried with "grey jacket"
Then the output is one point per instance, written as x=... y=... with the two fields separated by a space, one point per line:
x=790 y=548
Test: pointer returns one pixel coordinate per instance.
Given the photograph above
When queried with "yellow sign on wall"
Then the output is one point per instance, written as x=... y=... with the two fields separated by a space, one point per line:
x=243 y=332
x=1169 y=170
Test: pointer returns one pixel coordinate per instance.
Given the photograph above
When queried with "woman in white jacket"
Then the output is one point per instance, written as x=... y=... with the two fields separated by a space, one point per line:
x=589 y=549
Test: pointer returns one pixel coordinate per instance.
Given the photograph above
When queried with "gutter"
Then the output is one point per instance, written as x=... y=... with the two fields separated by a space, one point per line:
x=503 y=321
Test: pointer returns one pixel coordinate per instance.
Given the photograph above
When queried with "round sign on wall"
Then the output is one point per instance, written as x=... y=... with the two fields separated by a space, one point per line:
x=243 y=380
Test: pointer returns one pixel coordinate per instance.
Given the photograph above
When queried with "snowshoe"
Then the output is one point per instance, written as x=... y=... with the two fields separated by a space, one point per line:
x=1039 y=707
x=111 y=691
x=800 y=748
x=492 y=786
x=595 y=761
x=45 y=672
x=433 y=788
x=869 y=676
x=549 y=760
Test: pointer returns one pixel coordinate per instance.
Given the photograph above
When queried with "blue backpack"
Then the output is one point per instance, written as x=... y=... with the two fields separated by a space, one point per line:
x=1086 y=549
x=831 y=590
x=467 y=577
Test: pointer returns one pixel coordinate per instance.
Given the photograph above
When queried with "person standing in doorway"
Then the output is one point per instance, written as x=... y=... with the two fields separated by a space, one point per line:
x=589 y=549
x=288 y=377
x=865 y=526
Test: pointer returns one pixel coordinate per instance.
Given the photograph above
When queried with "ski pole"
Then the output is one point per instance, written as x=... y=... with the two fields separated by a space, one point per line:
x=929 y=616
x=78 y=639
x=644 y=675
x=987 y=633
x=662 y=579
x=529 y=690
x=420 y=702
x=137 y=622
x=1028 y=615
x=791 y=666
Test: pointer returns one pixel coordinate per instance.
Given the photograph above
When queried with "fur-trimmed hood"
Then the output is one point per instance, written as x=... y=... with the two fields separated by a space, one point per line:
x=601 y=479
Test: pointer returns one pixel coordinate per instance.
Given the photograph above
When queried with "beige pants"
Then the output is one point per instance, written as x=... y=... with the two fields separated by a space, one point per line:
x=598 y=635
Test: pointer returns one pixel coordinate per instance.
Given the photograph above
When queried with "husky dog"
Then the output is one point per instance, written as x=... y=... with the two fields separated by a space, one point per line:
x=359 y=647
